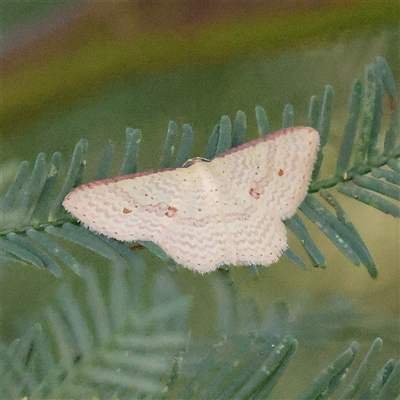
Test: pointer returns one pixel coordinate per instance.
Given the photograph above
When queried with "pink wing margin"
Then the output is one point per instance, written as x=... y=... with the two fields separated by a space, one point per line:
x=252 y=143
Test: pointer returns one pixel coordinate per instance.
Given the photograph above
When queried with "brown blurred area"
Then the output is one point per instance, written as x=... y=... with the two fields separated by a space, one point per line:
x=69 y=26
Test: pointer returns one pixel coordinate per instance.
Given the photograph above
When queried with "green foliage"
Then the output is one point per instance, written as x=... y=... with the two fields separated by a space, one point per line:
x=113 y=343
x=124 y=348
x=32 y=213
x=118 y=345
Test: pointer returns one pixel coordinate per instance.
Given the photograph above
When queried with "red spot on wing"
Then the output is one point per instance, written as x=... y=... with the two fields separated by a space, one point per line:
x=126 y=210
x=254 y=193
x=171 y=211
x=280 y=172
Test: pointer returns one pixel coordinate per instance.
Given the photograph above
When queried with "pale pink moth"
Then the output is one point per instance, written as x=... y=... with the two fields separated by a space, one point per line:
x=226 y=211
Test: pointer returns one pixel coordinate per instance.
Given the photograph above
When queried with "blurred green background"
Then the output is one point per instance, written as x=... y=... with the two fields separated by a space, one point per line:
x=75 y=69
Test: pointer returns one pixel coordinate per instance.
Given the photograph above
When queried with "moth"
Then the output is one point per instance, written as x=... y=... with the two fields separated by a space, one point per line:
x=225 y=211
